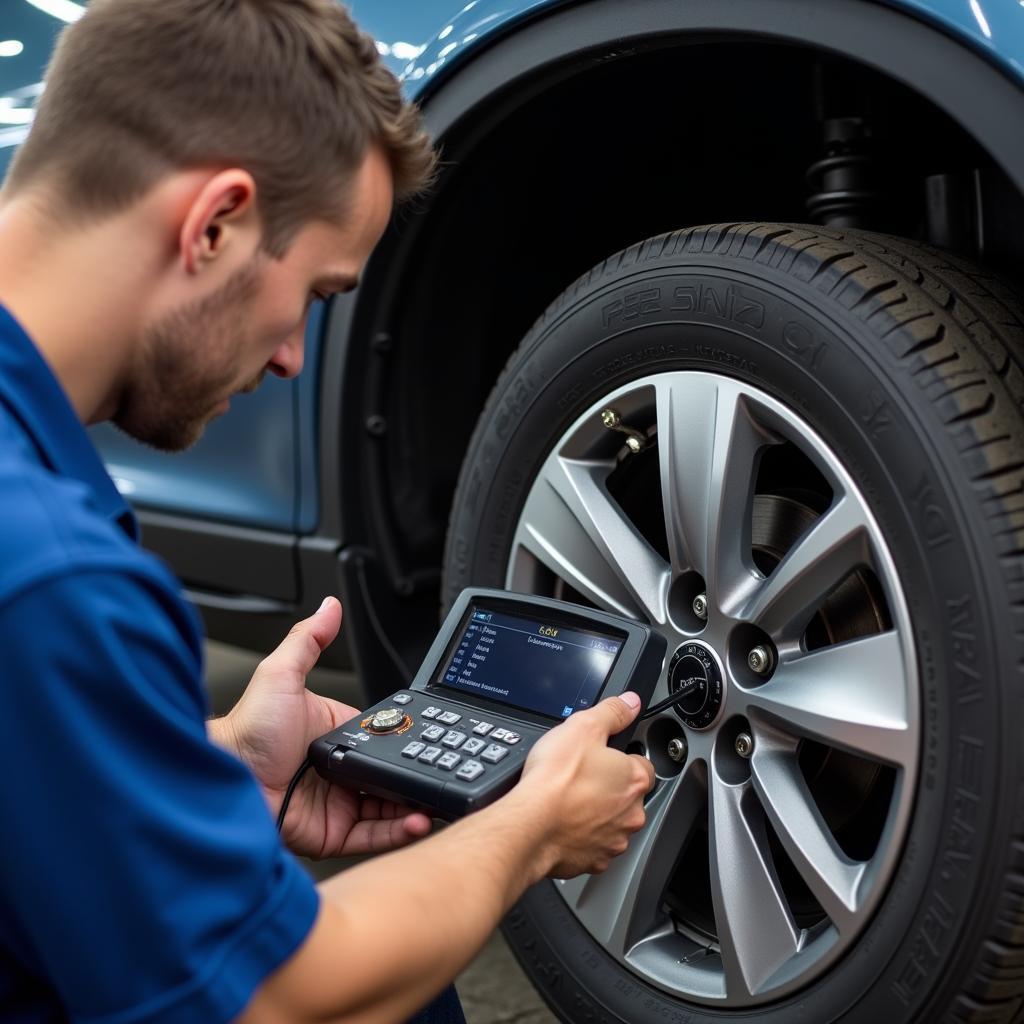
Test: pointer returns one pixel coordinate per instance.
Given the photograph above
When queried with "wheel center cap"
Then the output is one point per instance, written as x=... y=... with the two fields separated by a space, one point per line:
x=694 y=671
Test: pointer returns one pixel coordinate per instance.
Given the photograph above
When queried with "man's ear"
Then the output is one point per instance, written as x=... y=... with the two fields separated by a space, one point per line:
x=221 y=217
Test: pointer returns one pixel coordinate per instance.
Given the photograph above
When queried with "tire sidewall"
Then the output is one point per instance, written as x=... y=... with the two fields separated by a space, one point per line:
x=761 y=327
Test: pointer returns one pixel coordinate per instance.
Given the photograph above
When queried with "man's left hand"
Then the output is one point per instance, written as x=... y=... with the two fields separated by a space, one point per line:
x=270 y=729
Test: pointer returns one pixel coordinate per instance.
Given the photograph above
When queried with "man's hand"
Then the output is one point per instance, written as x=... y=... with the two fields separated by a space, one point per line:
x=270 y=729
x=592 y=793
x=573 y=809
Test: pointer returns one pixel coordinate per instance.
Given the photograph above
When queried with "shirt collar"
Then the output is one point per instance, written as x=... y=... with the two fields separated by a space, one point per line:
x=33 y=394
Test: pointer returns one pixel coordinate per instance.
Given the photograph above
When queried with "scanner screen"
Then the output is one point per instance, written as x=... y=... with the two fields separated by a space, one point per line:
x=528 y=663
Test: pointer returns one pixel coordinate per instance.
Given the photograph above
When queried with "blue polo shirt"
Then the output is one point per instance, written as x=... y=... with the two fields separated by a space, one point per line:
x=141 y=878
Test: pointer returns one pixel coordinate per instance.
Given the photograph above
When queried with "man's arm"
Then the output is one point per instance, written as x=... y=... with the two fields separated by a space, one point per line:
x=154 y=832
x=394 y=931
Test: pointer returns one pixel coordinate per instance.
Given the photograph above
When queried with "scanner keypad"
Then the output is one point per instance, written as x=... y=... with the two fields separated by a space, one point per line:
x=437 y=745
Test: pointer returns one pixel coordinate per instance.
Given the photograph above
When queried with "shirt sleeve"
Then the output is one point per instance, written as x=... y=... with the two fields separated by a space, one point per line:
x=143 y=879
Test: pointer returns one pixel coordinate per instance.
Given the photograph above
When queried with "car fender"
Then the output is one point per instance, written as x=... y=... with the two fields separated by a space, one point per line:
x=994 y=29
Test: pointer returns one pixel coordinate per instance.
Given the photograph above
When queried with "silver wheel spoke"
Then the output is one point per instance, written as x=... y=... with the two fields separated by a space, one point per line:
x=834 y=545
x=831 y=875
x=686 y=435
x=851 y=696
x=707 y=444
x=572 y=525
x=622 y=906
x=755 y=929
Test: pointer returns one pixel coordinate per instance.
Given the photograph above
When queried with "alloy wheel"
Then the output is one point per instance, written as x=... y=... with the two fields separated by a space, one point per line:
x=707 y=508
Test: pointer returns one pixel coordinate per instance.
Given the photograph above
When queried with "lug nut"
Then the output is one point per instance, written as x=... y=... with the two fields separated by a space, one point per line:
x=700 y=606
x=759 y=660
x=744 y=745
x=677 y=750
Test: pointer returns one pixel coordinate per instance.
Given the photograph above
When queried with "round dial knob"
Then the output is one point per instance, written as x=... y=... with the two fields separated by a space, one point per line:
x=386 y=720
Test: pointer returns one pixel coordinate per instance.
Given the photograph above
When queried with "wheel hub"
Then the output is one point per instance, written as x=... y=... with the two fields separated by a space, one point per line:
x=694 y=671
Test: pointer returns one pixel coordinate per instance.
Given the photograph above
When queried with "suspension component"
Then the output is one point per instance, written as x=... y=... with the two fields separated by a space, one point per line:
x=841 y=181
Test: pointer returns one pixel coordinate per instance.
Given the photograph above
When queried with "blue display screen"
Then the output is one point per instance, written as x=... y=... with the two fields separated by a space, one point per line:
x=544 y=667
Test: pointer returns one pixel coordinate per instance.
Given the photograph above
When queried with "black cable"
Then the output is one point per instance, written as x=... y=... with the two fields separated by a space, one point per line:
x=375 y=624
x=296 y=778
x=680 y=695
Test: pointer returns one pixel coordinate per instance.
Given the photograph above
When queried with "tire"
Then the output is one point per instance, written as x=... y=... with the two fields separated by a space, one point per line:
x=856 y=372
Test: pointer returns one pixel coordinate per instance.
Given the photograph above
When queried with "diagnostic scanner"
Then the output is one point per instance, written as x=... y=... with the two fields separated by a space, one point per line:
x=504 y=669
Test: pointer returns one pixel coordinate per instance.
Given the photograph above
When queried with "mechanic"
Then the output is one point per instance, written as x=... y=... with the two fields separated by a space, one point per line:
x=198 y=172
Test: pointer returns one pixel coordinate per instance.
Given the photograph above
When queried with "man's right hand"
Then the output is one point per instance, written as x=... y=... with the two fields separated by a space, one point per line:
x=591 y=794
x=574 y=808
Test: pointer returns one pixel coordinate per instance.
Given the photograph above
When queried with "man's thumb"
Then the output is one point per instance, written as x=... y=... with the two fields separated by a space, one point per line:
x=307 y=639
x=615 y=713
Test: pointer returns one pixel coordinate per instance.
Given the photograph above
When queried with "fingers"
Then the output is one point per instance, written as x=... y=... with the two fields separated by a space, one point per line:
x=386 y=834
x=646 y=770
x=616 y=812
x=610 y=716
x=371 y=808
x=306 y=640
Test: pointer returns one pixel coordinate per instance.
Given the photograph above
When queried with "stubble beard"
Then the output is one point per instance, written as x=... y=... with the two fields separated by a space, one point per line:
x=188 y=363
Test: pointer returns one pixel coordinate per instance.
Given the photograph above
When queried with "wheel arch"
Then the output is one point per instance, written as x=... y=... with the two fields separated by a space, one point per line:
x=461 y=277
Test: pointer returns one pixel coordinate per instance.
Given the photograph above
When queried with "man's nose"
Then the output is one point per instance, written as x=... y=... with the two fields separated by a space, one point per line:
x=286 y=362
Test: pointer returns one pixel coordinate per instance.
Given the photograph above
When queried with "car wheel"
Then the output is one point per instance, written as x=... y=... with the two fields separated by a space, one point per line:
x=799 y=453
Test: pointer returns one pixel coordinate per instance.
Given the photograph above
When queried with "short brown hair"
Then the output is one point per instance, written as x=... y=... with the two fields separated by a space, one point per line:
x=290 y=90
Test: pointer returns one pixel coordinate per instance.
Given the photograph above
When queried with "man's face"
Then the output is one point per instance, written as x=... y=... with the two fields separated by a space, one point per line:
x=198 y=356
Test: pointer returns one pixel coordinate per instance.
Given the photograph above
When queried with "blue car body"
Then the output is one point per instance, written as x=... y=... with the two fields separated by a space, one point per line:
x=268 y=475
